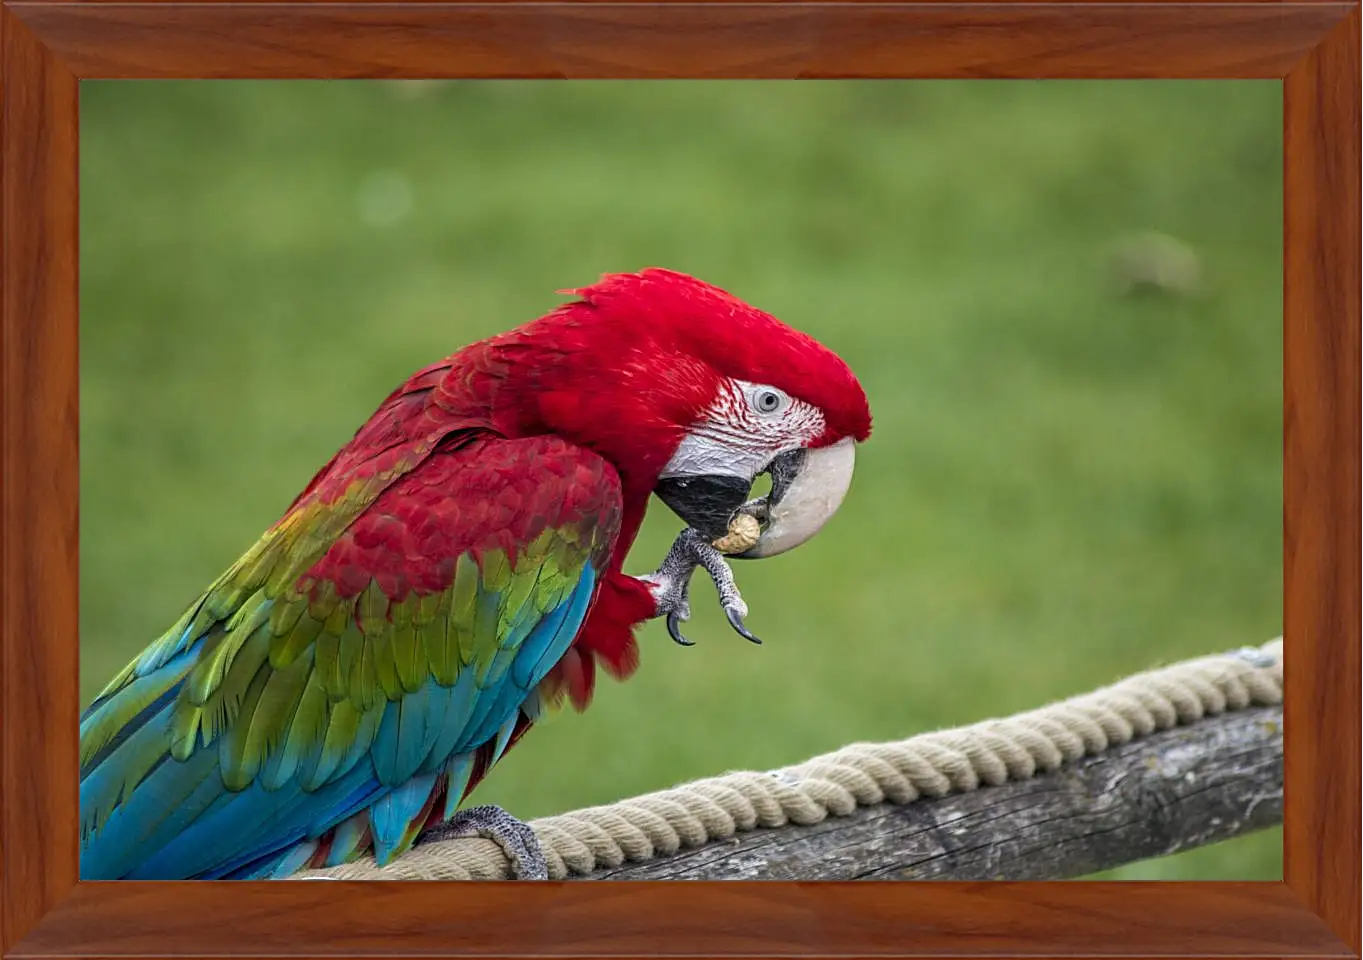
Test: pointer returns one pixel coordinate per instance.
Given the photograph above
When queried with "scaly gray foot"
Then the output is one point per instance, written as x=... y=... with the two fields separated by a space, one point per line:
x=673 y=579
x=515 y=837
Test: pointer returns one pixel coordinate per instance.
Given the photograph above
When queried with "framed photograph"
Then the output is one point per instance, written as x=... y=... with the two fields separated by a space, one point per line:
x=336 y=412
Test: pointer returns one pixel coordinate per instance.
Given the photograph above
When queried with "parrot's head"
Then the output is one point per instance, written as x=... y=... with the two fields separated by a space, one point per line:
x=695 y=394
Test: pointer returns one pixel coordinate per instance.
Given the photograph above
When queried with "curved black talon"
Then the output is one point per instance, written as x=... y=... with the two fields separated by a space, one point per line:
x=674 y=628
x=736 y=622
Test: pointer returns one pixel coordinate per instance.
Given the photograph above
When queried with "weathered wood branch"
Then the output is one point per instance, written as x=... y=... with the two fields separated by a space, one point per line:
x=1182 y=788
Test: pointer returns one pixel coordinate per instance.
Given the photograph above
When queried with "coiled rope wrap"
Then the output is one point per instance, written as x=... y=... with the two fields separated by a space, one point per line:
x=929 y=765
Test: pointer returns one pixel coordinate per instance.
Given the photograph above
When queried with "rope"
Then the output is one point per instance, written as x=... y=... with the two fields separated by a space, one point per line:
x=929 y=765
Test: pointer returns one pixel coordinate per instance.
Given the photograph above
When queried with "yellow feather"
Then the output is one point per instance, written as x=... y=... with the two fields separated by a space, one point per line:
x=239 y=768
x=463 y=614
x=269 y=721
x=371 y=609
x=306 y=731
x=496 y=570
x=221 y=709
x=385 y=663
x=429 y=606
x=284 y=649
x=410 y=657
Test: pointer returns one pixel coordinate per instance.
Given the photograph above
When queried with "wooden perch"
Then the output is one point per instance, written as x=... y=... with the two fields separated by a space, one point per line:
x=1174 y=790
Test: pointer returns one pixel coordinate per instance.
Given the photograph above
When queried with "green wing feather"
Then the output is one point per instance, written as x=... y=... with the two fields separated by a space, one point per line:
x=287 y=672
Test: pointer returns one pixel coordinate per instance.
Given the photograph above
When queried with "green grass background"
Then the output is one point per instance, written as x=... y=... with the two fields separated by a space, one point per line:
x=1065 y=484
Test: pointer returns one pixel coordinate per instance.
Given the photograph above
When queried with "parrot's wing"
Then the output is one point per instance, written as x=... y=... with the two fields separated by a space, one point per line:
x=355 y=687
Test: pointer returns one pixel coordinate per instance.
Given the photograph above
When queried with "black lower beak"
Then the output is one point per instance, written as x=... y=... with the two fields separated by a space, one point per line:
x=705 y=503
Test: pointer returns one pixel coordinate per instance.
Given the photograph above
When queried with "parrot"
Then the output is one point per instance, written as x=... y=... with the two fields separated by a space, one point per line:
x=453 y=573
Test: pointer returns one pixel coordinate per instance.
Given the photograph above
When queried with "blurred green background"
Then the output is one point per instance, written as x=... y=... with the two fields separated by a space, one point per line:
x=1063 y=299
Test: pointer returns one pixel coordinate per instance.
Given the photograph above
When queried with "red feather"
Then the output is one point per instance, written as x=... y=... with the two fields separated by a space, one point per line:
x=479 y=494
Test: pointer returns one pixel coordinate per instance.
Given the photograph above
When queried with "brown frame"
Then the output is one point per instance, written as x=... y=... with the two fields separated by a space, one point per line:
x=48 y=47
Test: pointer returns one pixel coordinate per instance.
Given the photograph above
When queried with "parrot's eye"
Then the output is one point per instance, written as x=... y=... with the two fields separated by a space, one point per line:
x=769 y=400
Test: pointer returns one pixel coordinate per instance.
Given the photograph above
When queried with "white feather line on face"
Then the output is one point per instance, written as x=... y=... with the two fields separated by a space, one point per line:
x=733 y=440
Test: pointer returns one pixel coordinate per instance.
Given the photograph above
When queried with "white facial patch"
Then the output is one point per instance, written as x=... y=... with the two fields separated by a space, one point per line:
x=738 y=434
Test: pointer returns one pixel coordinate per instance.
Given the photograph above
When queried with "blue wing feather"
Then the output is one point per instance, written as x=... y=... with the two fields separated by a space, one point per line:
x=179 y=819
x=393 y=813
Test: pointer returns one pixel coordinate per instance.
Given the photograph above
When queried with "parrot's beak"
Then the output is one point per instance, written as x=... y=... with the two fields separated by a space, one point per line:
x=807 y=487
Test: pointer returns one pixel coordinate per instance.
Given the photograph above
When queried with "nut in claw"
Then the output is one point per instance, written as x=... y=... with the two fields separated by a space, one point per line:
x=744 y=532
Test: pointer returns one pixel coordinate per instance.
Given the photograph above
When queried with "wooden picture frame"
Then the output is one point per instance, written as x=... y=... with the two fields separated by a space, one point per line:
x=48 y=47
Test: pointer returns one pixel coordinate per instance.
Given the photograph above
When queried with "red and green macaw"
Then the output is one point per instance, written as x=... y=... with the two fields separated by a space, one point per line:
x=455 y=570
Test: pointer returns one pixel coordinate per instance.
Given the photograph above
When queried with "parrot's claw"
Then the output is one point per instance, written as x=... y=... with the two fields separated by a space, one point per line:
x=674 y=630
x=670 y=585
x=736 y=621
x=672 y=580
x=515 y=837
